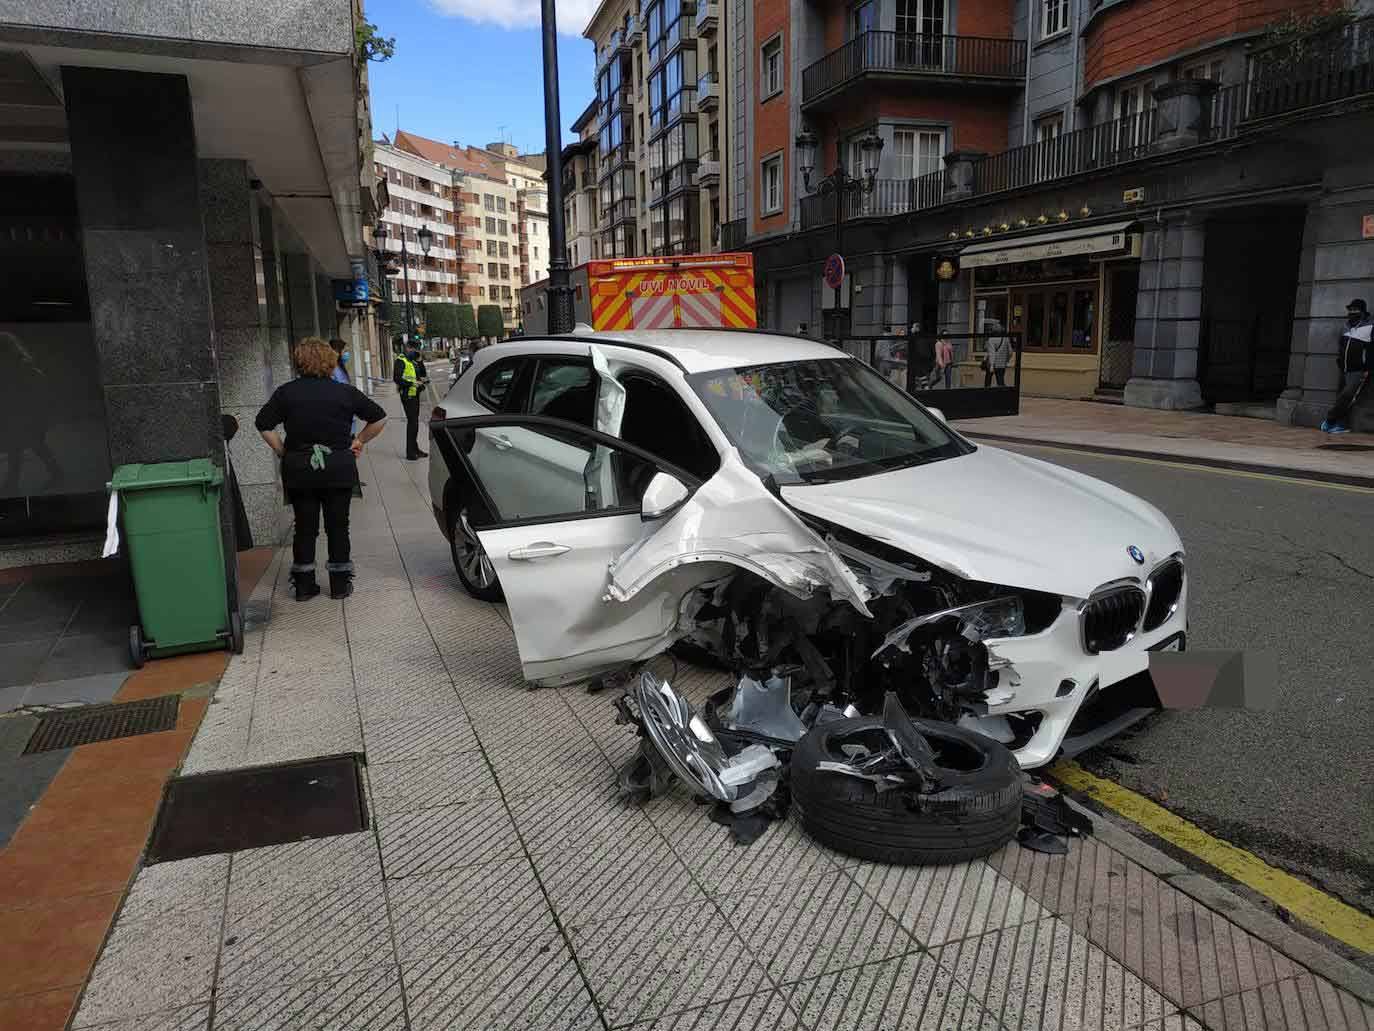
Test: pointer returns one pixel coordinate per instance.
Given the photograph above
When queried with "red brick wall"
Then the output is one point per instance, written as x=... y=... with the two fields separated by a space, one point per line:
x=991 y=18
x=975 y=124
x=771 y=120
x=1135 y=35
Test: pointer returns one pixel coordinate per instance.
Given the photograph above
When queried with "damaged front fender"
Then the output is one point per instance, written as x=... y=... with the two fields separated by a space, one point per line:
x=734 y=519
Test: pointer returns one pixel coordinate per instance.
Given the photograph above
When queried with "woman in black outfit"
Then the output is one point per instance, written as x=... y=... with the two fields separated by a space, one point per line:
x=319 y=460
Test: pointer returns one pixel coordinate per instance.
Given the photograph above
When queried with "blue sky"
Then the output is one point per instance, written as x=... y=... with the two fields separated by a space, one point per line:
x=471 y=70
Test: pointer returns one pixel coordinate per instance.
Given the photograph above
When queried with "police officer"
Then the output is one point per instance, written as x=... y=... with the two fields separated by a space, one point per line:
x=408 y=374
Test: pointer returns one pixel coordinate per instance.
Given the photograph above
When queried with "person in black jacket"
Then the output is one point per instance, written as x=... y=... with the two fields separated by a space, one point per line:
x=319 y=460
x=1354 y=360
x=408 y=373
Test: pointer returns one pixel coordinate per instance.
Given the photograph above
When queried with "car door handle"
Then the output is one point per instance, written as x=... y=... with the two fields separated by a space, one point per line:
x=501 y=443
x=543 y=549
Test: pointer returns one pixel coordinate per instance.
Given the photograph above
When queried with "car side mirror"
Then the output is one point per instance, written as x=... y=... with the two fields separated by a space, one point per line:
x=937 y=413
x=664 y=496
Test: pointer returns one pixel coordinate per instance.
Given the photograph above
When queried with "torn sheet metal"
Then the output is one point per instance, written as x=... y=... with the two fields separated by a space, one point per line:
x=996 y=617
x=733 y=518
x=764 y=707
x=876 y=574
x=610 y=395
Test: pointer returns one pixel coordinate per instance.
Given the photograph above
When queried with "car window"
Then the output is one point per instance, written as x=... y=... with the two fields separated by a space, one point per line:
x=492 y=387
x=565 y=388
x=657 y=420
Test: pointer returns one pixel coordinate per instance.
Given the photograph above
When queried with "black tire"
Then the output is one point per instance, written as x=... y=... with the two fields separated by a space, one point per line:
x=236 y=633
x=461 y=541
x=974 y=813
x=138 y=654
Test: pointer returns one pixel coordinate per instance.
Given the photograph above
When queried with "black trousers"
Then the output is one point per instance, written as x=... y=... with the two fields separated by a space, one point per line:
x=1001 y=375
x=308 y=503
x=1355 y=382
x=411 y=406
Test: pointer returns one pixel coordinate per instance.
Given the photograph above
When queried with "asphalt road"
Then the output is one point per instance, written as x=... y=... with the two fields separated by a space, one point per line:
x=1286 y=570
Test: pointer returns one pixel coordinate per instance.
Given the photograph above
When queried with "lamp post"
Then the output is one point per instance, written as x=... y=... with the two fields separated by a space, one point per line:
x=379 y=237
x=426 y=239
x=840 y=183
x=560 y=294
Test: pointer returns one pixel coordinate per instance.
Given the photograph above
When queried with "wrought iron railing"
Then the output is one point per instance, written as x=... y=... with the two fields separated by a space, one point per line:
x=1086 y=150
x=974 y=56
x=888 y=197
x=1328 y=65
x=733 y=234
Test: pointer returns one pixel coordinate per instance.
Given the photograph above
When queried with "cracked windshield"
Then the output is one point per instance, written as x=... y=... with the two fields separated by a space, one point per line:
x=649 y=515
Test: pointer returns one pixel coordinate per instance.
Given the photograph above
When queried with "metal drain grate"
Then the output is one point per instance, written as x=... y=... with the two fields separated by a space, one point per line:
x=264 y=805
x=91 y=723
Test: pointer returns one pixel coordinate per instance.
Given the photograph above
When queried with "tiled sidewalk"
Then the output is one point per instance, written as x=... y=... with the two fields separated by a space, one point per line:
x=502 y=885
x=1184 y=435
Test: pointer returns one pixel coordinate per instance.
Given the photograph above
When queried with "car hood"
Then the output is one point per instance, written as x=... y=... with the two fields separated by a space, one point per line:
x=1000 y=517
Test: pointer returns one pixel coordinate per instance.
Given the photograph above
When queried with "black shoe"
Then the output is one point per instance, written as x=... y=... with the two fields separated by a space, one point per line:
x=422 y=454
x=305 y=585
x=340 y=585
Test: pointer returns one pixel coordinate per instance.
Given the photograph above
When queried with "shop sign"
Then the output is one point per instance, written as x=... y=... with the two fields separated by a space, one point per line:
x=946 y=268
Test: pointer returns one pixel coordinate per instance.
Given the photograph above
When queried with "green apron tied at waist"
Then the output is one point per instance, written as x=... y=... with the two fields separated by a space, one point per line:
x=317 y=453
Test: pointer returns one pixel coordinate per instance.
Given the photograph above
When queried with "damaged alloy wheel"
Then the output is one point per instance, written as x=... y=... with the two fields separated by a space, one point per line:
x=471 y=561
x=966 y=802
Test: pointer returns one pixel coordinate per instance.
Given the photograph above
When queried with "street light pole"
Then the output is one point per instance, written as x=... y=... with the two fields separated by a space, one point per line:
x=560 y=298
x=842 y=185
x=405 y=273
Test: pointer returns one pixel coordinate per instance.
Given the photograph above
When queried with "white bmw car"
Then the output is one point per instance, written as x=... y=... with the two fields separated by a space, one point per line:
x=776 y=504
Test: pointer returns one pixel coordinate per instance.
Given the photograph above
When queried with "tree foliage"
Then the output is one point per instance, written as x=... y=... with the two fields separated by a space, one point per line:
x=467 y=322
x=489 y=321
x=442 y=320
x=372 y=46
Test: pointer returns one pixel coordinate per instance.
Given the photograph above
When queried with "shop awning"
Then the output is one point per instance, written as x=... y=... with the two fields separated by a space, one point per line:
x=1099 y=239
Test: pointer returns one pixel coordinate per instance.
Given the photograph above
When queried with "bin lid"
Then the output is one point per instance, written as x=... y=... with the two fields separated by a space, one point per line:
x=146 y=476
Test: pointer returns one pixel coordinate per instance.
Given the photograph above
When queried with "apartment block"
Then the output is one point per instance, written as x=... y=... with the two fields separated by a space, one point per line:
x=421 y=195
x=580 y=190
x=662 y=98
x=1098 y=177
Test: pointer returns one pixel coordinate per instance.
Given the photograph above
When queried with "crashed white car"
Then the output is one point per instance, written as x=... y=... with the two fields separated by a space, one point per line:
x=776 y=504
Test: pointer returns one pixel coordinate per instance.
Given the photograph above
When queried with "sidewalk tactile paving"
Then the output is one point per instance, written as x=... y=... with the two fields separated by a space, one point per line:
x=558 y=763
x=647 y=964
x=461 y=909
x=363 y=1000
x=422 y=841
x=767 y=1011
x=184 y=1018
x=531 y=986
x=430 y=781
x=181 y=886
x=300 y=867
x=802 y=929
x=568 y=818
x=393 y=740
x=278 y=938
x=910 y=993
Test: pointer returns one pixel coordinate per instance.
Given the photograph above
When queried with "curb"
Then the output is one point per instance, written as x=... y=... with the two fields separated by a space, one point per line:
x=1245 y=914
x=1344 y=479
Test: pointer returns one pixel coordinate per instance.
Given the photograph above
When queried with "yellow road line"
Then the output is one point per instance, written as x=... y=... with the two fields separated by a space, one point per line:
x=1191 y=466
x=1313 y=907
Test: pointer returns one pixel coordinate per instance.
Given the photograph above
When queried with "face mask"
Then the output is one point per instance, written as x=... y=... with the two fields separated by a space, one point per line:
x=345 y=356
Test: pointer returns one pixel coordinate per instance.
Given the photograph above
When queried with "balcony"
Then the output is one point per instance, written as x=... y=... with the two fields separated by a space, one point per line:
x=708 y=170
x=708 y=17
x=874 y=58
x=681 y=31
x=619 y=212
x=708 y=93
x=682 y=104
x=634 y=31
x=733 y=234
x=620 y=156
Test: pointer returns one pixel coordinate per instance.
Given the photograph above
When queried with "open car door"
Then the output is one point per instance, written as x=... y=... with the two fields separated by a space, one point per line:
x=561 y=502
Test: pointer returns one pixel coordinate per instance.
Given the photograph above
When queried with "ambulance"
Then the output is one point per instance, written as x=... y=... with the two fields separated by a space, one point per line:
x=712 y=290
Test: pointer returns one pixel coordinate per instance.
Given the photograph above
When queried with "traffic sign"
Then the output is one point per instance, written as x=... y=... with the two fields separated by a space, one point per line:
x=834 y=271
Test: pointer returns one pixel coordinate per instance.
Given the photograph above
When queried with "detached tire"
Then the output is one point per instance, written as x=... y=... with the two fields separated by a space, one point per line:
x=974 y=813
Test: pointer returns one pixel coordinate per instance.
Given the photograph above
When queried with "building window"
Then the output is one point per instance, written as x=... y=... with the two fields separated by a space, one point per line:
x=493 y=269
x=491 y=248
x=501 y=203
x=770 y=79
x=505 y=271
x=481 y=291
x=491 y=224
x=536 y=254
x=501 y=227
x=1208 y=69
x=1054 y=17
x=1135 y=104
x=1050 y=159
x=916 y=152
x=488 y=202
x=505 y=249
x=1049 y=128
x=772 y=185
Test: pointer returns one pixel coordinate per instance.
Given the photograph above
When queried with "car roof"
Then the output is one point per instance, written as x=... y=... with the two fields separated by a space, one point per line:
x=694 y=350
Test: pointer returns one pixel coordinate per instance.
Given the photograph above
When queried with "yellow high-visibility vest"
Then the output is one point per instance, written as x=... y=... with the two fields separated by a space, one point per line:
x=408 y=374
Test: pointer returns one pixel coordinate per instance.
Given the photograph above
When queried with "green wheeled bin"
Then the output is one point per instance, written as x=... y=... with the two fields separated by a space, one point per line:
x=171 y=525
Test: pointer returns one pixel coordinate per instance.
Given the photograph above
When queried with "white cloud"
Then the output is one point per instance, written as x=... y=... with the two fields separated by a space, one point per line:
x=573 y=15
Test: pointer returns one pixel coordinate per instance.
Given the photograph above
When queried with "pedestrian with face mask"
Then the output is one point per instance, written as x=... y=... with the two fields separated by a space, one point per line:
x=407 y=374
x=1354 y=358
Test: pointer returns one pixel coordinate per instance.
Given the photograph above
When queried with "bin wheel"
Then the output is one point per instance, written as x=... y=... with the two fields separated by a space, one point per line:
x=137 y=652
x=236 y=632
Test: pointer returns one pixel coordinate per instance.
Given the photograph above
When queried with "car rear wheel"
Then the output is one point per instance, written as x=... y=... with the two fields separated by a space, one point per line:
x=470 y=559
x=976 y=809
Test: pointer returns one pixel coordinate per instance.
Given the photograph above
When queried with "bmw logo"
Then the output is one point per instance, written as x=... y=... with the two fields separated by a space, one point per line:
x=1136 y=554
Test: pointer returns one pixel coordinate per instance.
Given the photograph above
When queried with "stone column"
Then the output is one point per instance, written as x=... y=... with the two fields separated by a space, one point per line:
x=1336 y=266
x=134 y=159
x=959 y=173
x=1168 y=318
x=301 y=306
x=1184 y=115
x=238 y=284
x=274 y=282
x=327 y=312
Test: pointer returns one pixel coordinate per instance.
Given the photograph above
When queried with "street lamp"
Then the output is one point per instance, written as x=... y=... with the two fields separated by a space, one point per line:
x=841 y=184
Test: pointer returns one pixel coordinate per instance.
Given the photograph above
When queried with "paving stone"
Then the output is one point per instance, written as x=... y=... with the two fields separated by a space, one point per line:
x=1044 y=975
x=300 y=867
x=363 y=1000
x=803 y=928
x=445 y=837
x=275 y=937
x=185 y=1018
x=1303 y=1003
x=783 y=853
x=564 y=818
x=461 y=909
x=645 y=965
x=393 y=740
x=430 y=781
x=153 y=965
x=767 y=1011
x=533 y=985
x=166 y=889
x=560 y=762
x=910 y=993
x=937 y=904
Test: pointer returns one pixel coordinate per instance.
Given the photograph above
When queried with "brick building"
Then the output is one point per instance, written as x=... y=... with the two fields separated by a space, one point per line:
x=1097 y=175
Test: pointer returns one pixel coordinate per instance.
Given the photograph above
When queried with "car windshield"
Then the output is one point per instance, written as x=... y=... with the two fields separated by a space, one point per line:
x=822 y=420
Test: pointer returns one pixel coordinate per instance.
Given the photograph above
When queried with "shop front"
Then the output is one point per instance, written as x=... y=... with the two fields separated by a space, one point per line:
x=1069 y=296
